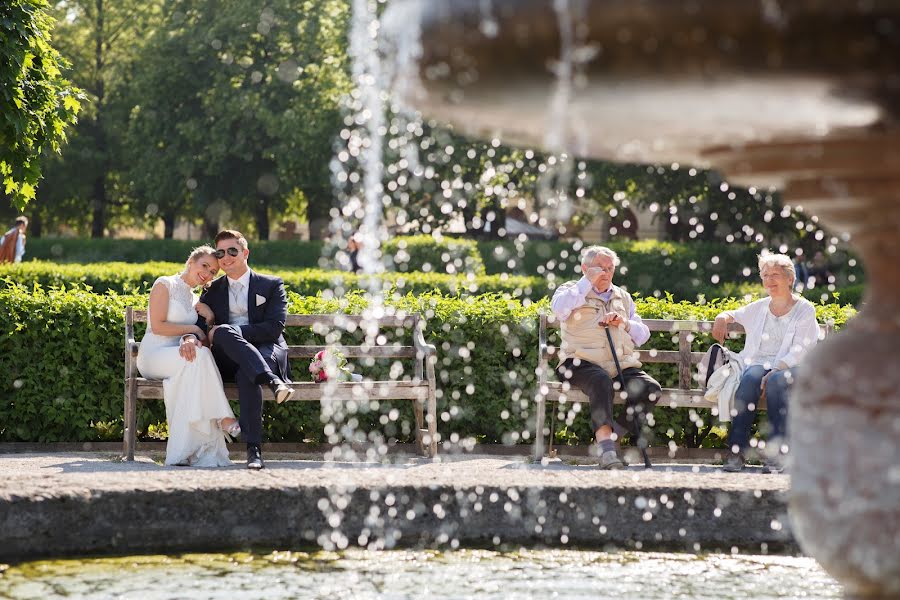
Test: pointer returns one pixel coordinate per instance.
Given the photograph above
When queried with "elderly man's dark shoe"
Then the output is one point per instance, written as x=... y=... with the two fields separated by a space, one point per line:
x=610 y=461
x=254 y=457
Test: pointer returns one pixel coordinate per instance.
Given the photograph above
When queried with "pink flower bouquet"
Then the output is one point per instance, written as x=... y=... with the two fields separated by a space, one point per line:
x=329 y=364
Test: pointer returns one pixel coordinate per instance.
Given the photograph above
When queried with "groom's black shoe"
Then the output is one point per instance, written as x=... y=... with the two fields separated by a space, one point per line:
x=281 y=390
x=254 y=457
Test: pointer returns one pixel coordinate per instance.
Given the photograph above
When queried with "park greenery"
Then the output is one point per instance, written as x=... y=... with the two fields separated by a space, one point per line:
x=233 y=113
x=37 y=103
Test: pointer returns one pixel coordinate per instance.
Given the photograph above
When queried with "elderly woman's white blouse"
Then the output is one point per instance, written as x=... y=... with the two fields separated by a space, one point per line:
x=801 y=331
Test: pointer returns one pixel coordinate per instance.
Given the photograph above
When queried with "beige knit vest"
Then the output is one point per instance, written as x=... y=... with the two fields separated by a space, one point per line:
x=584 y=338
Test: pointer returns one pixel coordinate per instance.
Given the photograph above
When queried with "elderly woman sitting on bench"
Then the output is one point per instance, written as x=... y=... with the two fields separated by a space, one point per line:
x=780 y=328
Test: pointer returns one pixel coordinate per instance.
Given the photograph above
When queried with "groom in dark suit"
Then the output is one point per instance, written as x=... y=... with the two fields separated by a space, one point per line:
x=250 y=311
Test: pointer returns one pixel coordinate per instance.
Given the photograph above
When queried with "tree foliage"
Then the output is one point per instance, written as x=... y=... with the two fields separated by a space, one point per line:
x=237 y=106
x=37 y=103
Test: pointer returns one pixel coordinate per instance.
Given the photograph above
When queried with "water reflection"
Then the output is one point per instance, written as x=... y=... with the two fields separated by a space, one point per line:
x=483 y=574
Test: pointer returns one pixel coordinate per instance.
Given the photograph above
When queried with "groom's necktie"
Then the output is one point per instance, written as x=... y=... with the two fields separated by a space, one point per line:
x=238 y=305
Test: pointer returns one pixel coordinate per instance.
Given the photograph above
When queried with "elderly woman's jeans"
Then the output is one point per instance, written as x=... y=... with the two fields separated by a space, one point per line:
x=746 y=401
x=643 y=391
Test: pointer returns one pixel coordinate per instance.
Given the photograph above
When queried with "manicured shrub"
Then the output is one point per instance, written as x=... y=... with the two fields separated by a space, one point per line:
x=651 y=267
x=425 y=253
x=293 y=253
x=127 y=277
x=61 y=353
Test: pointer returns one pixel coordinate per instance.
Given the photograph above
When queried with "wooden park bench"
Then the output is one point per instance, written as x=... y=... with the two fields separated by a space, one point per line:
x=421 y=389
x=551 y=390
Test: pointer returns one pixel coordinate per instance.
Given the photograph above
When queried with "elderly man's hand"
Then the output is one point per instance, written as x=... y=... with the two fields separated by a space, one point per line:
x=613 y=320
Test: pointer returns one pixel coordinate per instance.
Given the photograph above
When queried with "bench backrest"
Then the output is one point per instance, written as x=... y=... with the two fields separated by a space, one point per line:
x=319 y=324
x=683 y=357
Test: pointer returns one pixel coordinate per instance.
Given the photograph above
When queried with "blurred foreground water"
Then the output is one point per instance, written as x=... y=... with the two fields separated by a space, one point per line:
x=483 y=574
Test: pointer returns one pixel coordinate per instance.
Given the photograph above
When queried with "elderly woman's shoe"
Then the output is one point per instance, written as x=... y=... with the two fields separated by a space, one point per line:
x=773 y=464
x=734 y=463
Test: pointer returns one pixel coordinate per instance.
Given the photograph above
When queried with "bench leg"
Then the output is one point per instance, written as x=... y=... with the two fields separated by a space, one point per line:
x=539 y=428
x=130 y=416
x=419 y=406
x=432 y=419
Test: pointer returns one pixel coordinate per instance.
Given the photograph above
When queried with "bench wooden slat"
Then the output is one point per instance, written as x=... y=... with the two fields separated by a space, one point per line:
x=551 y=390
x=148 y=389
x=356 y=351
x=330 y=321
x=671 y=397
x=422 y=390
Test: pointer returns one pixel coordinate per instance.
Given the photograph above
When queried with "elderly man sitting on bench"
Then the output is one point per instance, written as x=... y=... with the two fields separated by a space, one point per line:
x=600 y=330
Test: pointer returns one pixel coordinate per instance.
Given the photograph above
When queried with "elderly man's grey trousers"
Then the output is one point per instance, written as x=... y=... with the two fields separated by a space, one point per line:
x=643 y=392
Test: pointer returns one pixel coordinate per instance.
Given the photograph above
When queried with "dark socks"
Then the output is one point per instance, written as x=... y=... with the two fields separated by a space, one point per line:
x=607 y=446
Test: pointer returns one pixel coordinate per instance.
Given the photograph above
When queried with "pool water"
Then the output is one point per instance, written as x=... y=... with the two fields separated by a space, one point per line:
x=422 y=574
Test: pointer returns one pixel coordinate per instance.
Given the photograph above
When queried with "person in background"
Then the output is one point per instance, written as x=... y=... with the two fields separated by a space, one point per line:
x=821 y=270
x=12 y=245
x=802 y=272
x=353 y=247
x=780 y=329
x=587 y=308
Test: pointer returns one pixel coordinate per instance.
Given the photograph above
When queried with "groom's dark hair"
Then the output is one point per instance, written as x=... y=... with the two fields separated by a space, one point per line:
x=231 y=234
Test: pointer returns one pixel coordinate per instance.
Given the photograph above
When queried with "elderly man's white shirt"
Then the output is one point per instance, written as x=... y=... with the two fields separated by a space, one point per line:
x=571 y=295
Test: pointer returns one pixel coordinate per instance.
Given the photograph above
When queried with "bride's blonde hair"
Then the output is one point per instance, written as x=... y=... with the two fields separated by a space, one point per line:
x=195 y=255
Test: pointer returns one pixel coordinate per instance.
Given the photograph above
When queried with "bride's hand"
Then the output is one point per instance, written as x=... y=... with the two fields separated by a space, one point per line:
x=206 y=312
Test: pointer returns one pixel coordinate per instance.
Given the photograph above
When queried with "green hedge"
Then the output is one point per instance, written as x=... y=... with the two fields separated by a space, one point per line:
x=61 y=353
x=424 y=253
x=650 y=267
x=128 y=278
x=78 y=250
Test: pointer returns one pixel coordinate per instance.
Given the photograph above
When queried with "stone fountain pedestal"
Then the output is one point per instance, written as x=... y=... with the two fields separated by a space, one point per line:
x=802 y=95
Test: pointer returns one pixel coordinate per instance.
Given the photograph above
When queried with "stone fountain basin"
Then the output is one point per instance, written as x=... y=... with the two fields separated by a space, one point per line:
x=656 y=80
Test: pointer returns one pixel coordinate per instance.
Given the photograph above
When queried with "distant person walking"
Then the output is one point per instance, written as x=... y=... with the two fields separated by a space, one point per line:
x=353 y=247
x=12 y=245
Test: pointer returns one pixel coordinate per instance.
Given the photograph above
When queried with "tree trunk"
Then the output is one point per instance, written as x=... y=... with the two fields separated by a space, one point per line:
x=168 y=224
x=36 y=225
x=318 y=206
x=210 y=226
x=262 y=217
x=98 y=224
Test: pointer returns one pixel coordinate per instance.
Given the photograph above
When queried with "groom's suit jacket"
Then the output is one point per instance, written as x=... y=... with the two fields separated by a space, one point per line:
x=266 y=310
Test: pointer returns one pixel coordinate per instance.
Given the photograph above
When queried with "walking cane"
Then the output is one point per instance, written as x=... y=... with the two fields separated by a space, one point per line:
x=636 y=426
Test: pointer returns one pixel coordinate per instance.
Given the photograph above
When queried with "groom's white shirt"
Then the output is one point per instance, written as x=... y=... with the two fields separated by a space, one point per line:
x=237 y=299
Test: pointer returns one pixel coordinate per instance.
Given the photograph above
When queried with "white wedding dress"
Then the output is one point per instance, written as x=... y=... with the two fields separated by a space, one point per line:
x=193 y=391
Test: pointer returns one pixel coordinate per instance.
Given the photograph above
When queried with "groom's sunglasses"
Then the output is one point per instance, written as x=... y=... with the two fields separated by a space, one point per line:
x=231 y=252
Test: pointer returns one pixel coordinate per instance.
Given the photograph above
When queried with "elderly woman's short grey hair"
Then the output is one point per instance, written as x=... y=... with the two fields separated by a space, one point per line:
x=778 y=260
x=592 y=252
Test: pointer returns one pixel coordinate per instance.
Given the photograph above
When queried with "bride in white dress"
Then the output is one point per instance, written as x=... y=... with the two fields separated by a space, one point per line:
x=197 y=411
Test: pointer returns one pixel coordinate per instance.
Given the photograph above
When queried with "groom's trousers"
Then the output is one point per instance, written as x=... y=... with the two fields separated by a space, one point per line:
x=240 y=361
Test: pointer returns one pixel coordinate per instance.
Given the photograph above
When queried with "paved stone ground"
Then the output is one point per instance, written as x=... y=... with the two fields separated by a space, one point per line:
x=88 y=503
